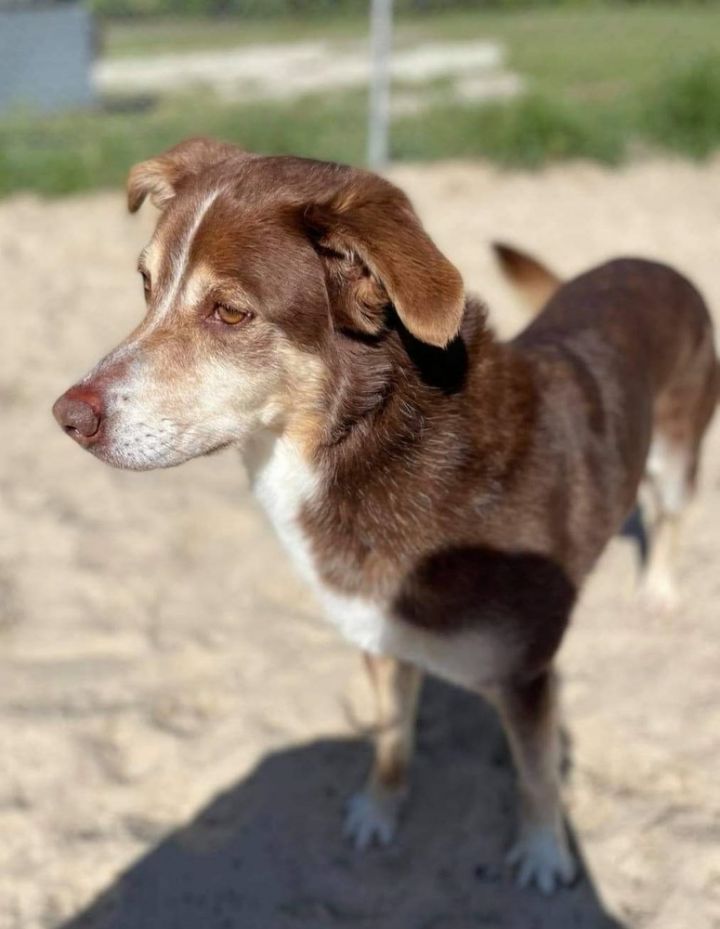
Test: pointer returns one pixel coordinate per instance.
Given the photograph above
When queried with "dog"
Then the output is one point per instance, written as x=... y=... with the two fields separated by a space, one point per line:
x=536 y=284
x=444 y=493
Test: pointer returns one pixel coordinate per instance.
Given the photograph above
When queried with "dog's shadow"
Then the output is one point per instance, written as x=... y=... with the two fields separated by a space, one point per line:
x=269 y=854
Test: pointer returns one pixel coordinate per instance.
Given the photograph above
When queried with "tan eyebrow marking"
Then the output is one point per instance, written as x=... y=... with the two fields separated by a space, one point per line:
x=198 y=285
x=204 y=282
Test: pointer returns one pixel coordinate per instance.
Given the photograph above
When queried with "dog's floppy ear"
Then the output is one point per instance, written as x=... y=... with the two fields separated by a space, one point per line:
x=370 y=220
x=159 y=177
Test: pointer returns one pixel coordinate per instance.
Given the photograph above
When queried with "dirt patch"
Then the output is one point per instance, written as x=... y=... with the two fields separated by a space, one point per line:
x=284 y=71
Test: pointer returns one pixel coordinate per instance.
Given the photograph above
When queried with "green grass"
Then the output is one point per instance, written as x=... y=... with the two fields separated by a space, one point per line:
x=683 y=114
x=594 y=53
x=601 y=83
x=127 y=38
x=524 y=133
x=72 y=153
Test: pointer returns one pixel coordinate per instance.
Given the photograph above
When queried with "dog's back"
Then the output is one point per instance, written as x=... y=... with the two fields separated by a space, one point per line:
x=636 y=326
x=634 y=340
x=652 y=315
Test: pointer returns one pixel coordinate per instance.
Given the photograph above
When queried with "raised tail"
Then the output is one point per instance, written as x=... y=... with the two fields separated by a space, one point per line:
x=533 y=281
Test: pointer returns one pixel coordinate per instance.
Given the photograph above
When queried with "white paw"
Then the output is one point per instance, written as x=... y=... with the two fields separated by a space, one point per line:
x=372 y=818
x=542 y=859
x=659 y=593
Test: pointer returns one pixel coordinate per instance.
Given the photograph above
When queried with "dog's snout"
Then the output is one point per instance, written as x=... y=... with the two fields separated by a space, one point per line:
x=79 y=412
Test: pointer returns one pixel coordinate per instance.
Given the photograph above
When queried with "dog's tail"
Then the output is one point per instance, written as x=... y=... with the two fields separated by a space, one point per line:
x=535 y=283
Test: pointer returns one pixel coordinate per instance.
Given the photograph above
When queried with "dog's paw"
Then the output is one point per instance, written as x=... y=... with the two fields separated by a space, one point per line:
x=659 y=594
x=542 y=859
x=372 y=818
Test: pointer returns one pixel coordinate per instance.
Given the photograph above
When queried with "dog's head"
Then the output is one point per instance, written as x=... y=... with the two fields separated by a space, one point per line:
x=257 y=267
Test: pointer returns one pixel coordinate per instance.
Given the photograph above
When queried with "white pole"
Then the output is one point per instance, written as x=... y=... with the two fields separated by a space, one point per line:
x=381 y=14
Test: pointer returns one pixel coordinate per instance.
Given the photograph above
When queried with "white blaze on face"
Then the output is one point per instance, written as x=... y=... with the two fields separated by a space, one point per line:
x=179 y=260
x=170 y=396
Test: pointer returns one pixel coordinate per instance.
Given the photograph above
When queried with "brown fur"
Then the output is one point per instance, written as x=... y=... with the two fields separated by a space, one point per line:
x=535 y=282
x=509 y=466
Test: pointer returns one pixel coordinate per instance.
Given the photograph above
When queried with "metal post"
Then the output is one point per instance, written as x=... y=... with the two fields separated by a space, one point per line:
x=381 y=14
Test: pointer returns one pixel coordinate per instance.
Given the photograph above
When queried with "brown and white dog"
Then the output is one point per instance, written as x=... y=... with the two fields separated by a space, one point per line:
x=444 y=493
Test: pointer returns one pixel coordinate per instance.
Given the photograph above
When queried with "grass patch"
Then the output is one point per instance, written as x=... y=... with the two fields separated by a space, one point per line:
x=131 y=37
x=71 y=153
x=599 y=51
x=522 y=133
x=684 y=111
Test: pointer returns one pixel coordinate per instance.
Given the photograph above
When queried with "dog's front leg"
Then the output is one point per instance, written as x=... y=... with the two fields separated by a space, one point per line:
x=529 y=712
x=373 y=813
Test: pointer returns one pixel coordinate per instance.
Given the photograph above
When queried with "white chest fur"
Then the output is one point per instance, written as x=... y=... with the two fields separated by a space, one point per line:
x=283 y=483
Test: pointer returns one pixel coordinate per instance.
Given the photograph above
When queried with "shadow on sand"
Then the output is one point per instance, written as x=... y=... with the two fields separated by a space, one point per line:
x=268 y=852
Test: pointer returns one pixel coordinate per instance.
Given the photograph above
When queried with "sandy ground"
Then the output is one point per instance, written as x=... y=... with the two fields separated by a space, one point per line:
x=179 y=731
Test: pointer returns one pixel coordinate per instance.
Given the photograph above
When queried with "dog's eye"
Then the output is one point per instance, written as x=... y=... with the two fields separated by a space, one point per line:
x=229 y=315
x=146 y=282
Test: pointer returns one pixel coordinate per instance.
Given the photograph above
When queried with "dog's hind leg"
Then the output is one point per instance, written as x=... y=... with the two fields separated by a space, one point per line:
x=671 y=470
x=682 y=415
x=529 y=712
x=373 y=813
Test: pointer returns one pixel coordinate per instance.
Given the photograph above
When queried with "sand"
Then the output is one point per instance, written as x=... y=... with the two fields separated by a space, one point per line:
x=179 y=730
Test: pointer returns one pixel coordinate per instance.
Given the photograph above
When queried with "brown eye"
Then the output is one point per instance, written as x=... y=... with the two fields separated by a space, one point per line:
x=229 y=315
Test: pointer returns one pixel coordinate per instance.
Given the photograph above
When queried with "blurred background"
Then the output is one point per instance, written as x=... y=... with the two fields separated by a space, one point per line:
x=515 y=81
x=179 y=732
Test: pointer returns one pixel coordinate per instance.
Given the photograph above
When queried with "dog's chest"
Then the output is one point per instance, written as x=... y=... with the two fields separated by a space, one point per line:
x=283 y=483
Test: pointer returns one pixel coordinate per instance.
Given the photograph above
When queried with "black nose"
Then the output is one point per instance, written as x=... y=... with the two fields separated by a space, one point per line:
x=79 y=412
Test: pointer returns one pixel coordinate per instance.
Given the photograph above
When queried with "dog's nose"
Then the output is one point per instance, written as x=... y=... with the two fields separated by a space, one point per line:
x=79 y=412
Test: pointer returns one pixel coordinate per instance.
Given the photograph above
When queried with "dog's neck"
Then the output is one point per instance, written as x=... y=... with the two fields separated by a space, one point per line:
x=401 y=400
x=408 y=435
